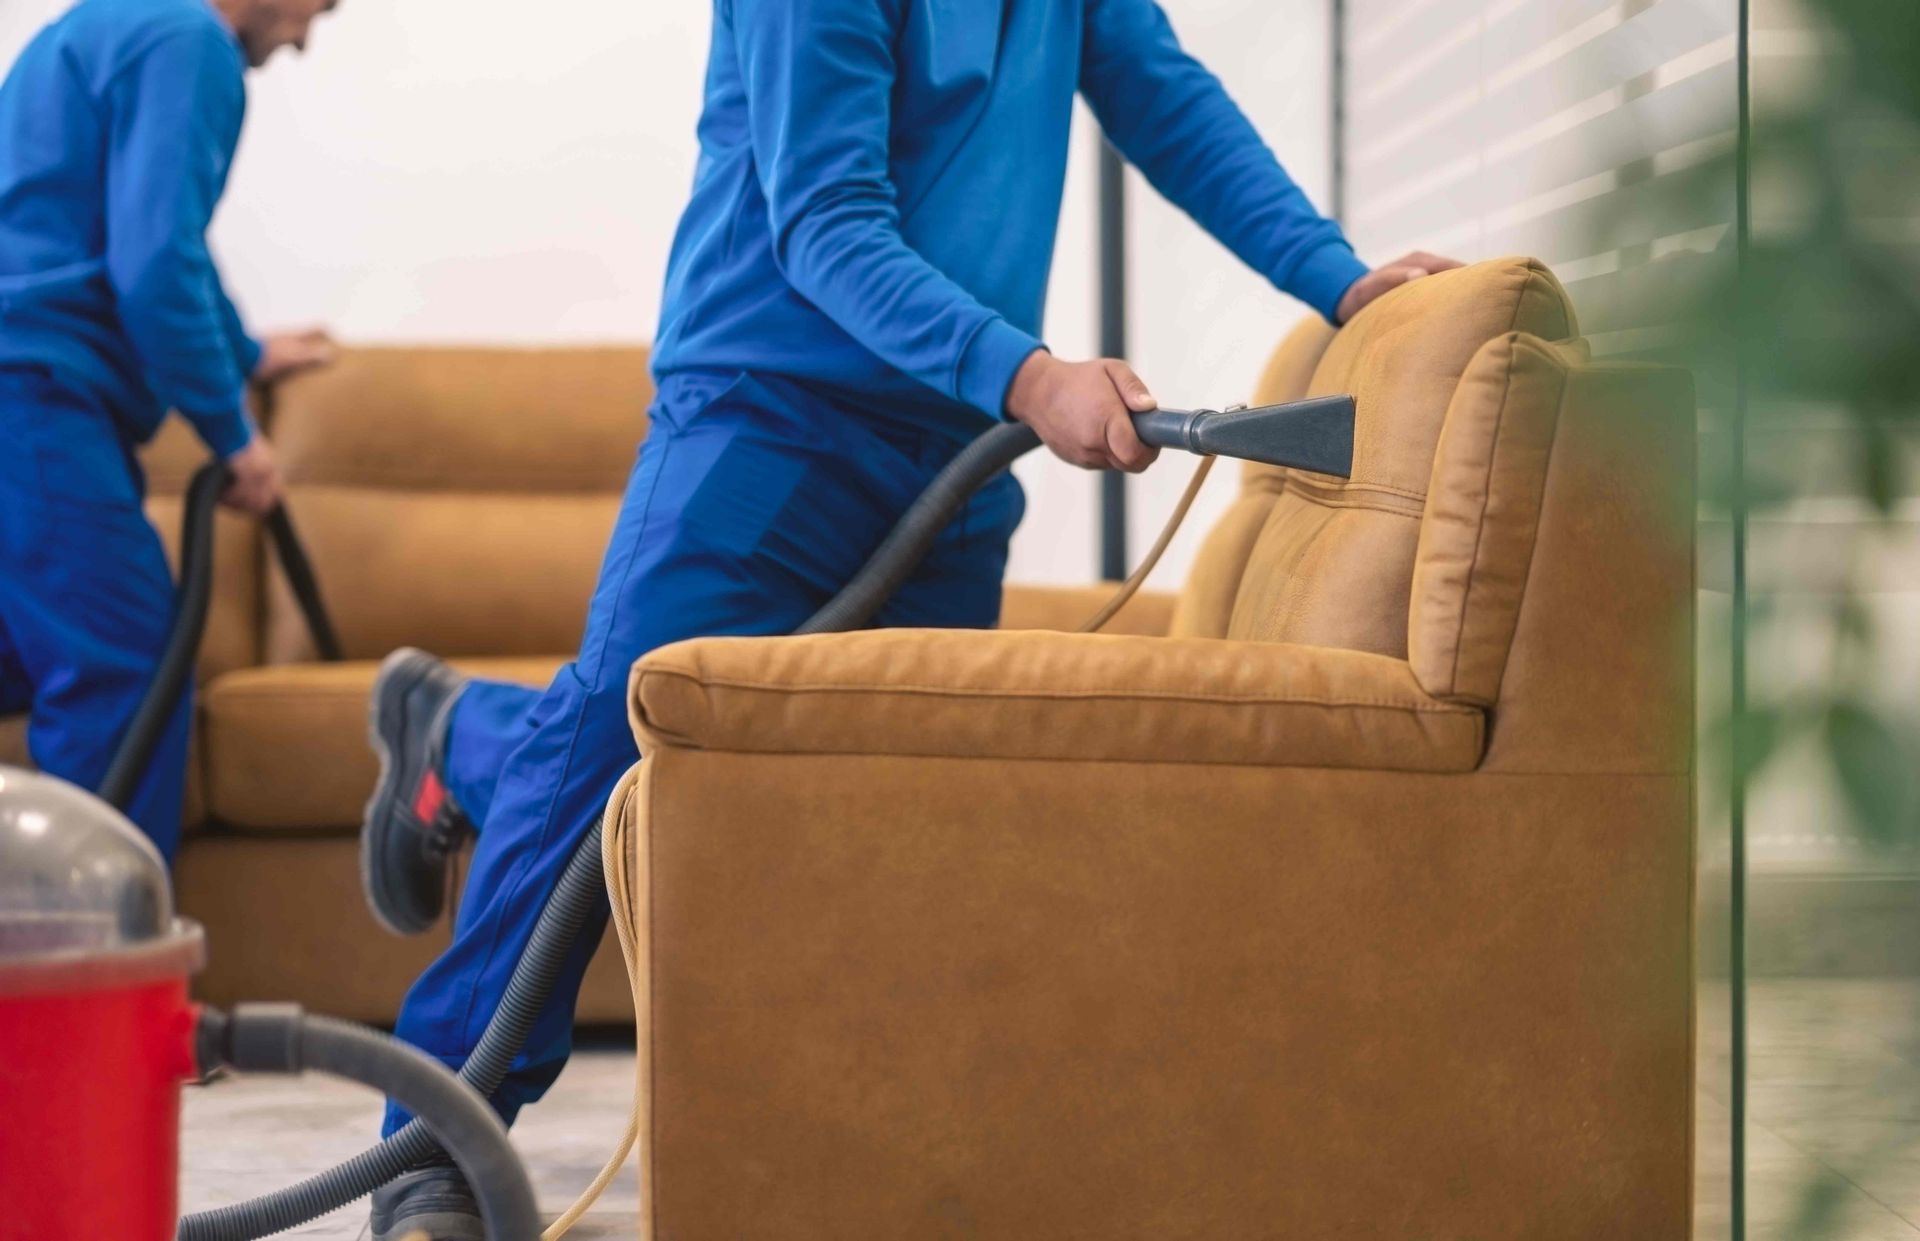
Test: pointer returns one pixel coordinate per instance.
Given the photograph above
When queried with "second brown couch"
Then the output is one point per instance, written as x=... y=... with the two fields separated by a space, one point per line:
x=456 y=499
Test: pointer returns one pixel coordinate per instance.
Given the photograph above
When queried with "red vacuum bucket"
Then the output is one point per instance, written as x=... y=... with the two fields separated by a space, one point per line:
x=96 y=1033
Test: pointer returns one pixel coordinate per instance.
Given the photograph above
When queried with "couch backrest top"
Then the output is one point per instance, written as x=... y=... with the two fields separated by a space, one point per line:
x=1402 y=358
x=548 y=420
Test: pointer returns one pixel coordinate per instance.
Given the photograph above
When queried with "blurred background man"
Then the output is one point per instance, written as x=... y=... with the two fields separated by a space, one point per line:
x=117 y=127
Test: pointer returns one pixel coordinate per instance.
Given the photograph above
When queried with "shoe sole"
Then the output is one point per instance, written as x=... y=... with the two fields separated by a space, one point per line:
x=387 y=715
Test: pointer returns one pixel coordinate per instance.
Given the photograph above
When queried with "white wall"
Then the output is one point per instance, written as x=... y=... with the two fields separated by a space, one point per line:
x=1202 y=324
x=430 y=173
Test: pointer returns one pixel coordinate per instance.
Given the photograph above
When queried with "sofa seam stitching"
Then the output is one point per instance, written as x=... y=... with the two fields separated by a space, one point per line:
x=1311 y=483
x=1320 y=502
x=1478 y=772
x=1434 y=708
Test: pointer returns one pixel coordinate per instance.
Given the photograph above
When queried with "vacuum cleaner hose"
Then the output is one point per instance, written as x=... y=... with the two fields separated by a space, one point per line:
x=908 y=543
x=183 y=641
x=280 y=1038
x=583 y=885
x=156 y=708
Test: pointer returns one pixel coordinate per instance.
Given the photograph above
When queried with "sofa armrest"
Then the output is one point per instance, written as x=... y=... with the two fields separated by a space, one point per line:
x=1066 y=608
x=1036 y=695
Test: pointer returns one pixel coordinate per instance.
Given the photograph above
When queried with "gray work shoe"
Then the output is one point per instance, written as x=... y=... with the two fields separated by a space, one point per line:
x=432 y=1201
x=413 y=827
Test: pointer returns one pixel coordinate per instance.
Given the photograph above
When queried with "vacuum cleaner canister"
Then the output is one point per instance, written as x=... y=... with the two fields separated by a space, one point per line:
x=96 y=1033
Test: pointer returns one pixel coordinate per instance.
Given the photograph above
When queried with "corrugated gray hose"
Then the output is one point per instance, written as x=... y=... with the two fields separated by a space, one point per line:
x=280 y=1038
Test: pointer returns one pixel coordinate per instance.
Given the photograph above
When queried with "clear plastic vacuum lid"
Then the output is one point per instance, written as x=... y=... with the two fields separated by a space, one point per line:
x=76 y=877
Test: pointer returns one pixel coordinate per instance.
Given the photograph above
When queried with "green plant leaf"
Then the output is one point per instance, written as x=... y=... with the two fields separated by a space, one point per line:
x=1874 y=771
x=1748 y=742
x=1881 y=475
x=1852 y=621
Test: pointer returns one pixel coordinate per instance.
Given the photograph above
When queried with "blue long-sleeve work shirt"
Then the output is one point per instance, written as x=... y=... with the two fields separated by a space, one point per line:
x=879 y=187
x=117 y=126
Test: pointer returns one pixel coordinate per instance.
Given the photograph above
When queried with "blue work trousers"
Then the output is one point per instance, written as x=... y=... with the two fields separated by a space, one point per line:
x=86 y=598
x=752 y=501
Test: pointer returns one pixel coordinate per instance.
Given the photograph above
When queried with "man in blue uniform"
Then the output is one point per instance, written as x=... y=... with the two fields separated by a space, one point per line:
x=117 y=125
x=854 y=292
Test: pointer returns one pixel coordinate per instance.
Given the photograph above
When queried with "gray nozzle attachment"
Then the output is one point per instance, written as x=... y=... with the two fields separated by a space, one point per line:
x=1315 y=434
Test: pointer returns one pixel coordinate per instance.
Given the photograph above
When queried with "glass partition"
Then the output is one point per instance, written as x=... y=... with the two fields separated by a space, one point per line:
x=1733 y=186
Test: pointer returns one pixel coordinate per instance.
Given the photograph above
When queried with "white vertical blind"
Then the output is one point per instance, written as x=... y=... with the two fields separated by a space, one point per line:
x=1582 y=132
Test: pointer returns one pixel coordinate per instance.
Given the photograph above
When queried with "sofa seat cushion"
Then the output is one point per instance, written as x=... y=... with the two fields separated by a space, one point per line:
x=1065 y=608
x=286 y=746
x=285 y=918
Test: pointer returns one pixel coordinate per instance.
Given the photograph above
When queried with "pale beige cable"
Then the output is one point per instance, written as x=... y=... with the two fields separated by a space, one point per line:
x=613 y=855
x=1132 y=585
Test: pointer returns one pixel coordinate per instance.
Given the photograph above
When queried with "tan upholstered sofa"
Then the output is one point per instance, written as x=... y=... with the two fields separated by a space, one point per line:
x=455 y=499
x=1355 y=906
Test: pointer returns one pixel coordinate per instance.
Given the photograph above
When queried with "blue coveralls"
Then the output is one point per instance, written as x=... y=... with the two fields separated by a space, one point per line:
x=860 y=272
x=117 y=126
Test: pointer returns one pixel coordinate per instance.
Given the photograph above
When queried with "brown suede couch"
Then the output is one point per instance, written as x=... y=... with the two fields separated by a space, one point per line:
x=456 y=499
x=1356 y=905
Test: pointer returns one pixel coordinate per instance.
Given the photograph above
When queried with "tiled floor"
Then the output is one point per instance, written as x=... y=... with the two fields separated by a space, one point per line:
x=247 y=1136
x=1834 y=1098
x=1833 y=1103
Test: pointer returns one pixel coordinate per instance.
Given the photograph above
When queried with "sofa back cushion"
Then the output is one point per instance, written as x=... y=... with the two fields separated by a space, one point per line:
x=1206 y=602
x=1333 y=563
x=457 y=499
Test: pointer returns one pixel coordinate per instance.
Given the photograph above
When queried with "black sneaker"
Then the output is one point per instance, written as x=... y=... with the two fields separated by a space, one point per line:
x=412 y=824
x=431 y=1202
